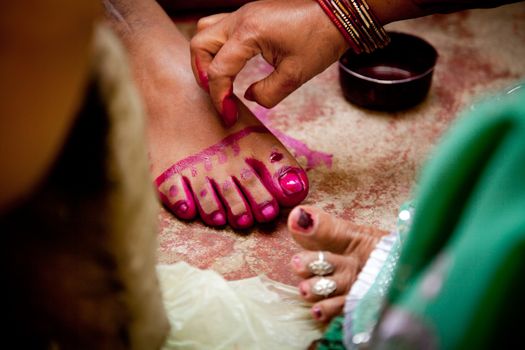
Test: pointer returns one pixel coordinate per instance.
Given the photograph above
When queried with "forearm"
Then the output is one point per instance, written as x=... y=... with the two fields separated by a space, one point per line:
x=388 y=11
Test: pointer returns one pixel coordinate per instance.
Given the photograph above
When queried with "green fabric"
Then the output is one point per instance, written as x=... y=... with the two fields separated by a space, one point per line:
x=333 y=337
x=461 y=268
x=366 y=313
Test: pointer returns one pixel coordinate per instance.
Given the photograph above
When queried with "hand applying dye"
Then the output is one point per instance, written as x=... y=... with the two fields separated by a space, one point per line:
x=294 y=36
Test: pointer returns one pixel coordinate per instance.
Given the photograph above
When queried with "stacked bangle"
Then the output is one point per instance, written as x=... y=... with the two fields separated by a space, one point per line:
x=357 y=23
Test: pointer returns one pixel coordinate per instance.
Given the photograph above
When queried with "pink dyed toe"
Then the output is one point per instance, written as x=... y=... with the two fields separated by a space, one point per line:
x=269 y=212
x=244 y=221
x=218 y=219
x=291 y=183
x=183 y=210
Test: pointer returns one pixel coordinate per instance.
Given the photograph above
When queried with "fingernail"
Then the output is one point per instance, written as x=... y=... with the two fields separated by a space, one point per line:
x=304 y=220
x=317 y=313
x=291 y=183
x=203 y=77
x=230 y=113
x=218 y=219
x=249 y=94
x=296 y=262
x=244 y=220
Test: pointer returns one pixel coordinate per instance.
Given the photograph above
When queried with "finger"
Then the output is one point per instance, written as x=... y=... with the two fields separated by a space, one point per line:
x=285 y=79
x=203 y=47
x=223 y=69
x=208 y=21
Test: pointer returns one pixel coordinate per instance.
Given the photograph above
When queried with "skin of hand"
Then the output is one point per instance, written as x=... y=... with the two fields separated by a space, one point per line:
x=225 y=42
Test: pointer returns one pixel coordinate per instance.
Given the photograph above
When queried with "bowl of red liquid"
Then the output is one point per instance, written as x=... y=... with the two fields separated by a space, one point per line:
x=389 y=79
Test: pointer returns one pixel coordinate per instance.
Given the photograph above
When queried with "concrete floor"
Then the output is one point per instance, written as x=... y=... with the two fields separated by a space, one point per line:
x=363 y=164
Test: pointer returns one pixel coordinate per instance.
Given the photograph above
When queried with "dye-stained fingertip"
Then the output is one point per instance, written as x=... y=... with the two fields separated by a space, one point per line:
x=230 y=113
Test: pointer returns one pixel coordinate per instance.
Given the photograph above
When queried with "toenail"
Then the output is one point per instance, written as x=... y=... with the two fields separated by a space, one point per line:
x=182 y=207
x=302 y=290
x=317 y=312
x=296 y=262
x=291 y=183
x=304 y=220
x=218 y=218
x=268 y=211
x=244 y=220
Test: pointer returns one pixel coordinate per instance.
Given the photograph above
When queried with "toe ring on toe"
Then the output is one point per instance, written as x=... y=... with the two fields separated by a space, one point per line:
x=324 y=287
x=320 y=267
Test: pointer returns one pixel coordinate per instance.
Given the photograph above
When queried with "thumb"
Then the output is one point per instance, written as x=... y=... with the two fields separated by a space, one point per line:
x=284 y=80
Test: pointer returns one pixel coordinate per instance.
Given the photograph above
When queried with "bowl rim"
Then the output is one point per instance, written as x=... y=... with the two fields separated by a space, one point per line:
x=384 y=81
x=396 y=81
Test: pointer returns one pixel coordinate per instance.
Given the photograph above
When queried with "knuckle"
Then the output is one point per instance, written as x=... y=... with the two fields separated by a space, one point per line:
x=290 y=80
x=215 y=70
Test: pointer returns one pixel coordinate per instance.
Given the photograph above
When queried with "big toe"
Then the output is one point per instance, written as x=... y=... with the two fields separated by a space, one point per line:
x=282 y=176
x=315 y=229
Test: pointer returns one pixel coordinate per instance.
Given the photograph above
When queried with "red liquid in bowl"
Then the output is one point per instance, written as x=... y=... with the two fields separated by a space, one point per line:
x=385 y=72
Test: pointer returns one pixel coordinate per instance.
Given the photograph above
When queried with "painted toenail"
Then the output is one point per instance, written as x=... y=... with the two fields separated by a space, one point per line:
x=244 y=220
x=304 y=220
x=317 y=312
x=291 y=183
x=302 y=290
x=218 y=218
x=268 y=211
x=182 y=207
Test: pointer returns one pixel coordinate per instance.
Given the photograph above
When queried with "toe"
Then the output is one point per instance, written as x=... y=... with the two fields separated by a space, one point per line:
x=344 y=275
x=301 y=263
x=175 y=194
x=314 y=229
x=208 y=203
x=264 y=206
x=283 y=177
x=327 y=309
x=237 y=208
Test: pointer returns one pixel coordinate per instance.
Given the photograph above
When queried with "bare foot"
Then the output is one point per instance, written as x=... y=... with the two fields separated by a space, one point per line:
x=238 y=176
x=345 y=245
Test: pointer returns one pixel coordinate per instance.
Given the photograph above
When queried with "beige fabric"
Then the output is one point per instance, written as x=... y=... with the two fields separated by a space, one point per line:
x=79 y=255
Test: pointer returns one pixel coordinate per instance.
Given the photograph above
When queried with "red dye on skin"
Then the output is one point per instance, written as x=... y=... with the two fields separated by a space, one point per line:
x=203 y=193
x=275 y=157
x=207 y=164
x=246 y=174
x=172 y=192
x=313 y=158
x=191 y=161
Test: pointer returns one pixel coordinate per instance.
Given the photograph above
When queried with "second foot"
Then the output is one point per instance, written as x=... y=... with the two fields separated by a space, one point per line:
x=335 y=252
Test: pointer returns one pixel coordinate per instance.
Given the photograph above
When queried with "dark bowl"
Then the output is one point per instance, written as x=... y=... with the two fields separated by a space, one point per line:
x=393 y=78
